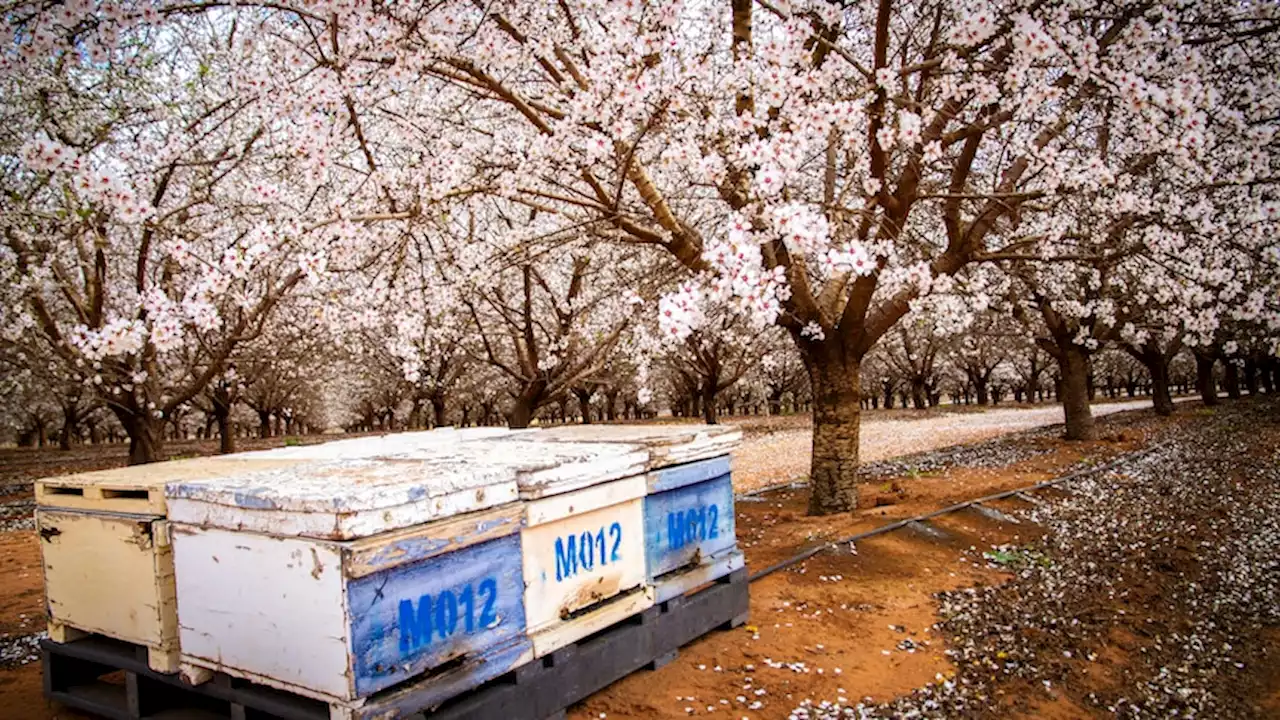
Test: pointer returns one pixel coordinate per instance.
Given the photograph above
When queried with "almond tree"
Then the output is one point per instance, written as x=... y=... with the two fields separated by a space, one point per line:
x=153 y=216
x=819 y=166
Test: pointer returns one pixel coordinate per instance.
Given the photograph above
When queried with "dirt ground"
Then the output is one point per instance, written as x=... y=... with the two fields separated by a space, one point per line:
x=859 y=624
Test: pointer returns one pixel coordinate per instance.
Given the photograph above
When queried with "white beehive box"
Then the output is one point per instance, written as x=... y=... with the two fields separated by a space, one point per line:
x=688 y=506
x=108 y=566
x=338 y=579
x=583 y=540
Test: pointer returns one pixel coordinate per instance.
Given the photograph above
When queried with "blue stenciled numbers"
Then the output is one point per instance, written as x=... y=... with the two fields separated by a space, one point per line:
x=446 y=613
x=581 y=552
x=696 y=524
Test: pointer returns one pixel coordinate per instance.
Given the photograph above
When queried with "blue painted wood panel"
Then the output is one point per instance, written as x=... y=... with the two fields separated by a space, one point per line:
x=467 y=530
x=693 y=520
x=670 y=478
x=414 y=617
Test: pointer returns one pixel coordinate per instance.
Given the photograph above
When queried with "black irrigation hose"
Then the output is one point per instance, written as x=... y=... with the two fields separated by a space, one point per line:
x=806 y=554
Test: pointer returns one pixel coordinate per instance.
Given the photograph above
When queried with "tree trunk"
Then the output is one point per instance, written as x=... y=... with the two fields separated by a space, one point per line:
x=146 y=437
x=611 y=405
x=264 y=424
x=888 y=397
x=709 y=402
x=1251 y=376
x=1232 y=379
x=1161 y=398
x=1158 y=368
x=837 y=415
x=222 y=413
x=775 y=403
x=525 y=405
x=1205 y=383
x=584 y=403
x=980 y=389
x=438 y=411
x=226 y=434
x=70 y=418
x=1075 y=392
x=919 y=400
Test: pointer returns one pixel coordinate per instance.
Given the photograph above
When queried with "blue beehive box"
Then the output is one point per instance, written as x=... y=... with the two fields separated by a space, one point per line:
x=688 y=504
x=342 y=579
x=689 y=526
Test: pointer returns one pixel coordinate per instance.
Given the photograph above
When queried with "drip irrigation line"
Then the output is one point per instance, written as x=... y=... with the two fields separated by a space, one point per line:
x=898 y=524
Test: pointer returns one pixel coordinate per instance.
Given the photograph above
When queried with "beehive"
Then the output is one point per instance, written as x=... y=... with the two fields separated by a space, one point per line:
x=336 y=579
x=108 y=565
x=688 y=505
x=583 y=535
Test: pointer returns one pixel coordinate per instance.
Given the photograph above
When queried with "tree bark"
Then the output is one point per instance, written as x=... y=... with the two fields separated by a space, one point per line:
x=709 y=401
x=1075 y=392
x=1158 y=368
x=70 y=419
x=1232 y=379
x=146 y=437
x=438 y=410
x=837 y=415
x=980 y=389
x=1251 y=376
x=584 y=403
x=226 y=434
x=264 y=424
x=525 y=405
x=611 y=405
x=1205 y=383
x=919 y=397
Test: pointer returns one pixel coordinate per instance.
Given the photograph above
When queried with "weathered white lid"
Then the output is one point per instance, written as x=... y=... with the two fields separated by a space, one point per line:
x=341 y=499
x=666 y=444
x=546 y=468
x=348 y=488
x=378 y=445
x=394 y=481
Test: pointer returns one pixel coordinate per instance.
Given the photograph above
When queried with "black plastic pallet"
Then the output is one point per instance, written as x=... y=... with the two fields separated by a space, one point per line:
x=111 y=679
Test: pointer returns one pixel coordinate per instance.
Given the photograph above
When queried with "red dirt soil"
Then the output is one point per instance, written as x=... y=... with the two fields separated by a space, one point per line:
x=844 y=615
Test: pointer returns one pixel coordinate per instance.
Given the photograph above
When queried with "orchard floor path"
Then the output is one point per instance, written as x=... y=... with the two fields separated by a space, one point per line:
x=778 y=452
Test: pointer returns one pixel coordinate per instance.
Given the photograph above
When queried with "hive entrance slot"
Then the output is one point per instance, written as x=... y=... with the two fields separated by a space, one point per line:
x=54 y=490
x=124 y=494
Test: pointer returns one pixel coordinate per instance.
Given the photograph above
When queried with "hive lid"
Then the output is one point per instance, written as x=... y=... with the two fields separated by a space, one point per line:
x=139 y=489
x=546 y=468
x=391 y=482
x=349 y=488
x=667 y=445
x=379 y=445
x=341 y=499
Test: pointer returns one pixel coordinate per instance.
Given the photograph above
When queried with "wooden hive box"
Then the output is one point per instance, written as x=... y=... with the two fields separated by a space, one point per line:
x=688 y=507
x=106 y=555
x=340 y=579
x=690 y=535
x=583 y=535
x=108 y=564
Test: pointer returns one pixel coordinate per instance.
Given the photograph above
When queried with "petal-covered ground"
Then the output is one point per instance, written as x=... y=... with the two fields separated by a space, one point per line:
x=1149 y=591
